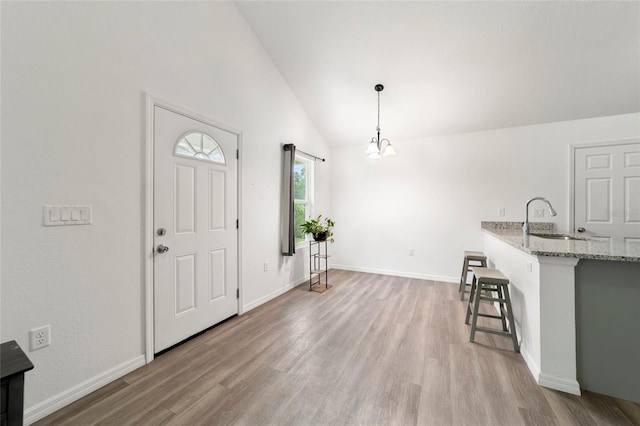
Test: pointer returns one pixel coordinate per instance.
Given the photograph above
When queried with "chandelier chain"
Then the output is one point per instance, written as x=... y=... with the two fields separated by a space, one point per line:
x=378 y=128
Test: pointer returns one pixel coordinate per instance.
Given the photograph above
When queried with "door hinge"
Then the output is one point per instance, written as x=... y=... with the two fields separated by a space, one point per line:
x=237 y=293
x=238 y=154
x=237 y=224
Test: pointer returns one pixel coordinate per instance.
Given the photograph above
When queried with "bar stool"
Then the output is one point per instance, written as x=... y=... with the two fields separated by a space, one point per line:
x=479 y=259
x=491 y=281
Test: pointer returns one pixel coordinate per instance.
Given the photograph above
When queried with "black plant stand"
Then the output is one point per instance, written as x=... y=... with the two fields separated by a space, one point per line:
x=318 y=266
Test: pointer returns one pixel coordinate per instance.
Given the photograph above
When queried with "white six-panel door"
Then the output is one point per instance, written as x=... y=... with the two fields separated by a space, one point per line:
x=196 y=240
x=607 y=191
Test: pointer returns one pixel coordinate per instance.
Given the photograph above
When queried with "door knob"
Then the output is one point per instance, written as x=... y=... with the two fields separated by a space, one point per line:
x=581 y=229
x=162 y=248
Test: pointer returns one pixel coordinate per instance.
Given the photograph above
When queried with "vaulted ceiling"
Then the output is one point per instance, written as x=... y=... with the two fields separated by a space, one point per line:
x=451 y=67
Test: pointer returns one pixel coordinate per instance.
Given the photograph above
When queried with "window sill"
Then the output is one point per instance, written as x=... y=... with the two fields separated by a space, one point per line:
x=302 y=244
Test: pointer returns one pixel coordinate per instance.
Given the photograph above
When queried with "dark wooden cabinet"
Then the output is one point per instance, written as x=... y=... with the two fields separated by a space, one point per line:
x=13 y=364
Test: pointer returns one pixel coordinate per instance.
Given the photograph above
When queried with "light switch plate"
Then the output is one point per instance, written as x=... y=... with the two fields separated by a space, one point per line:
x=67 y=215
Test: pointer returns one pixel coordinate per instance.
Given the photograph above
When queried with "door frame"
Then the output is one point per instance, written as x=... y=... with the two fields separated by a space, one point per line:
x=151 y=102
x=572 y=172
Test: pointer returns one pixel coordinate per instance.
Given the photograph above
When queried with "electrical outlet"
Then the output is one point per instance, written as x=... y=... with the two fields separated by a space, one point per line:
x=266 y=266
x=411 y=251
x=40 y=337
x=501 y=212
x=538 y=212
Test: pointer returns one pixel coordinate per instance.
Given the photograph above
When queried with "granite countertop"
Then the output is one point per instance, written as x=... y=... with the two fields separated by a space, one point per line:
x=511 y=233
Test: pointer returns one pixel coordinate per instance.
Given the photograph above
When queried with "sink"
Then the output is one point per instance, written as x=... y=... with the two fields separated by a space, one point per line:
x=560 y=237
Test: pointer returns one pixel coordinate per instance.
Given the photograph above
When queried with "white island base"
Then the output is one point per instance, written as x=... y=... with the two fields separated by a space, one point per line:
x=543 y=299
x=575 y=309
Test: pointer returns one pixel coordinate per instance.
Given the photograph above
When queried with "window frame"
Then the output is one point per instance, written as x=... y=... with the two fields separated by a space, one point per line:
x=309 y=192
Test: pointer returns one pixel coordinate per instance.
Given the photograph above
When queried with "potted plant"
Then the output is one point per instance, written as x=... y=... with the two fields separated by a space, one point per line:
x=320 y=228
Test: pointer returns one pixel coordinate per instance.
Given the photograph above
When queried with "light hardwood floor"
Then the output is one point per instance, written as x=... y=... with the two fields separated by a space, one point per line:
x=373 y=350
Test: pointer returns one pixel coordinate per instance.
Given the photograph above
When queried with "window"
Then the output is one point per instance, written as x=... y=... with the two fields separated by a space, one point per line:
x=303 y=194
x=200 y=146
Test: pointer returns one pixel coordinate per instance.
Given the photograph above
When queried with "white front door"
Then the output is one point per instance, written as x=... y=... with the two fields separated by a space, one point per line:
x=607 y=191
x=195 y=199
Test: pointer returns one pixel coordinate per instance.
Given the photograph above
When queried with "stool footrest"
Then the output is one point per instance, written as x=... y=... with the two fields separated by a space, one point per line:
x=485 y=315
x=493 y=331
x=490 y=316
x=493 y=299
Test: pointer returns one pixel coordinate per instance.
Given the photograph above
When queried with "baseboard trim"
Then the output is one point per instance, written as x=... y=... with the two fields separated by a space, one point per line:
x=273 y=295
x=559 y=383
x=548 y=381
x=429 y=277
x=564 y=385
x=56 y=402
x=533 y=366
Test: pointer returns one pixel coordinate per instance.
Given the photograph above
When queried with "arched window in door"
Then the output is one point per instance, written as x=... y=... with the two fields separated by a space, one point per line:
x=200 y=146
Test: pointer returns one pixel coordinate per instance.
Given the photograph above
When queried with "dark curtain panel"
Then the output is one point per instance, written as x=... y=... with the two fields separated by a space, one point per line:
x=288 y=231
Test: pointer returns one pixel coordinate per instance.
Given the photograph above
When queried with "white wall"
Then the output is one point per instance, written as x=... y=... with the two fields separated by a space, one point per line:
x=74 y=76
x=434 y=193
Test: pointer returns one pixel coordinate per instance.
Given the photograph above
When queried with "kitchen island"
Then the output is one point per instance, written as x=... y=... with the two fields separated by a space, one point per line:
x=575 y=308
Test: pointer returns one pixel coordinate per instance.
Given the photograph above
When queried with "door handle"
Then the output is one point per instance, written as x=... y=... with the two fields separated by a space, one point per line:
x=581 y=229
x=162 y=248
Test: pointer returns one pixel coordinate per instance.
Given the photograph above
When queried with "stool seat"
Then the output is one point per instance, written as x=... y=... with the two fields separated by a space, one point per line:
x=475 y=255
x=479 y=259
x=489 y=275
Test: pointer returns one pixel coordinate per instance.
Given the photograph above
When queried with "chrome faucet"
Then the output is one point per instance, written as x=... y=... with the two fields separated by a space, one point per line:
x=525 y=227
